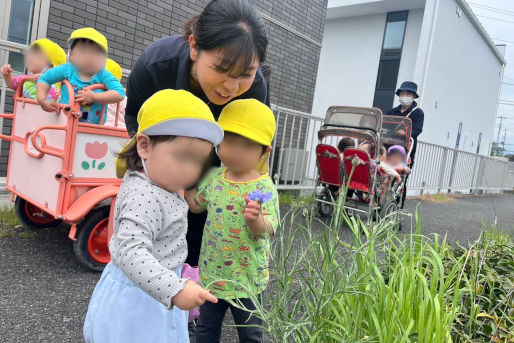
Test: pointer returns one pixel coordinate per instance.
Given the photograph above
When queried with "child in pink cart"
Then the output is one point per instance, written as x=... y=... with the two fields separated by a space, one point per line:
x=42 y=55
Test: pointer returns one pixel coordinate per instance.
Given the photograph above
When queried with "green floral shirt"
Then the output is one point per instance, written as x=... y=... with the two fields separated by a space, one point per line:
x=233 y=259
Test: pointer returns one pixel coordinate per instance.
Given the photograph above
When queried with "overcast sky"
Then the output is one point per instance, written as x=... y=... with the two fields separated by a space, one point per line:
x=497 y=16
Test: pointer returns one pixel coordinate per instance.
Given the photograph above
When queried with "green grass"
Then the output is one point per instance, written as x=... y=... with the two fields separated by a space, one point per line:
x=8 y=217
x=289 y=198
x=382 y=287
x=10 y=226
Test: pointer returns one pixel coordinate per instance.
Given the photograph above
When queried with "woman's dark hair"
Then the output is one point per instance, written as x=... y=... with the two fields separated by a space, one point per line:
x=234 y=27
x=133 y=161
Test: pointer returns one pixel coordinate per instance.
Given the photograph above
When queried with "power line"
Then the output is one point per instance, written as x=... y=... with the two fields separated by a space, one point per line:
x=503 y=20
x=503 y=40
x=493 y=9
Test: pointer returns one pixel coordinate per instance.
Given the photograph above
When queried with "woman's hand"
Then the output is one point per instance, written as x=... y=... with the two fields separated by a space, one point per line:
x=401 y=132
x=190 y=197
x=192 y=296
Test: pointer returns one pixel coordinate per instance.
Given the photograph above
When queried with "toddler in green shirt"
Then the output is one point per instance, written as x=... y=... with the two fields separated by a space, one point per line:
x=243 y=212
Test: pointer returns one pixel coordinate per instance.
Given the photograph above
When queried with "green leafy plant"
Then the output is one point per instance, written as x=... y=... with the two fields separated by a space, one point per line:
x=487 y=308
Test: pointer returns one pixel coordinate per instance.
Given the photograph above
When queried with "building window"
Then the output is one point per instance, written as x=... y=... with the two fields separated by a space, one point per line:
x=20 y=27
x=390 y=57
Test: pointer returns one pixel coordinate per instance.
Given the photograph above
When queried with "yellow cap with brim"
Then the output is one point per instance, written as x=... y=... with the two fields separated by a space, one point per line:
x=251 y=119
x=173 y=113
x=91 y=34
x=114 y=68
x=53 y=51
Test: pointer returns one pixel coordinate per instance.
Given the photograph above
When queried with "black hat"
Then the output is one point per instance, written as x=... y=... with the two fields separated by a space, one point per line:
x=409 y=86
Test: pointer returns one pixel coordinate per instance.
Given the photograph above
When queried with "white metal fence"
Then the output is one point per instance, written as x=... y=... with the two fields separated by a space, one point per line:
x=436 y=168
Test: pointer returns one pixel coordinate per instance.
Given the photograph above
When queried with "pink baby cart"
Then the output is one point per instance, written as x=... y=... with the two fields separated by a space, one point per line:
x=62 y=170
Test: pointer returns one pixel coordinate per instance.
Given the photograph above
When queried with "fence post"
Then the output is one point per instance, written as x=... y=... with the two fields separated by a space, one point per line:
x=505 y=169
x=452 y=171
x=473 y=183
x=442 y=170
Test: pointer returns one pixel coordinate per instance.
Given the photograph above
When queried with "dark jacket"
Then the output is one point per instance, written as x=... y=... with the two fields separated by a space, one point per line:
x=417 y=116
x=166 y=64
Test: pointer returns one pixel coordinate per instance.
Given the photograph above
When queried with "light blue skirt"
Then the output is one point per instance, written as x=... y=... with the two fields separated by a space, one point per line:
x=120 y=312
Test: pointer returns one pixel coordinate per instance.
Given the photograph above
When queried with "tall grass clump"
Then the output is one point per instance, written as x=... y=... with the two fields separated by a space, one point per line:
x=376 y=287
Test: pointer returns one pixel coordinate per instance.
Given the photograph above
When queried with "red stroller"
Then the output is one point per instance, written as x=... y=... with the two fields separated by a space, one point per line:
x=369 y=190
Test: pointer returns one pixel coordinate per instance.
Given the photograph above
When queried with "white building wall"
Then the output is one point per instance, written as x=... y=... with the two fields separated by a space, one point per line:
x=350 y=55
x=462 y=83
x=349 y=58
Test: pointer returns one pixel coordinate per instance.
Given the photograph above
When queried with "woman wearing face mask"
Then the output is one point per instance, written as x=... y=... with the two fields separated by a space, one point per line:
x=409 y=108
x=217 y=59
x=407 y=92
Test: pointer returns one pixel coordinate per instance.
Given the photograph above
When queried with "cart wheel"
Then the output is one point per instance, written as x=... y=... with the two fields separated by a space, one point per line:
x=325 y=210
x=391 y=209
x=32 y=216
x=91 y=246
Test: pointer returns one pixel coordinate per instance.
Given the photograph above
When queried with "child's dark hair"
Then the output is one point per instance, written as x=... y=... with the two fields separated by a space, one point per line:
x=233 y=26
x=85 y=41
x=345 y=143
x=131 y=156
x=264 y=147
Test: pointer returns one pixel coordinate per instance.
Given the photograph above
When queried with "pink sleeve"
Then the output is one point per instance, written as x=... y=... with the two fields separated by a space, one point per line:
x=16 y=81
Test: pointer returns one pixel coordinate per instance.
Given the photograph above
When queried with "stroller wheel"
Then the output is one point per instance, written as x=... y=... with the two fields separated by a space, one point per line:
x=325 y=210
x=391 y=211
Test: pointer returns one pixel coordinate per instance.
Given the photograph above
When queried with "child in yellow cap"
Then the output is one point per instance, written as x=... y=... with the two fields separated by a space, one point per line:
x=115 y=69
x=243 y=212
x=42 y=55
x=88 y=55
x=141 y=296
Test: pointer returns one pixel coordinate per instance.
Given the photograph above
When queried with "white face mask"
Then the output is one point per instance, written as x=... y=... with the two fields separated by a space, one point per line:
x=406 y=100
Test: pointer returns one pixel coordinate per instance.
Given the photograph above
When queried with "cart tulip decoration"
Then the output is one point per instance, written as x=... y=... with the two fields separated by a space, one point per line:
x=95 y=151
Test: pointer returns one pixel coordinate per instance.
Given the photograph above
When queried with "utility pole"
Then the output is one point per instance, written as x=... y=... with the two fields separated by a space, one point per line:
x=499 y=129
x=504 y=137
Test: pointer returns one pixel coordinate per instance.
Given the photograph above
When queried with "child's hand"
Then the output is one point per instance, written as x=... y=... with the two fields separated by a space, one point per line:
x=49 y=106
x=36 y=76
x=85 y=97
x=192 y=296
x=252 y=211
x=6 y=69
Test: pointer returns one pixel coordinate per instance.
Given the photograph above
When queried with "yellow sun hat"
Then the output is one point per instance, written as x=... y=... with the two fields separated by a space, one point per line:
x=172 y=112
x=91 y=34
x=249 y=118
x=252 y=119
x=114 y=68
x=53 y=51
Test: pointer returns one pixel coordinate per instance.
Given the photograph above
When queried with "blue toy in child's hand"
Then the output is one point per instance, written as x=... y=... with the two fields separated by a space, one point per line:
x=260 y=196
